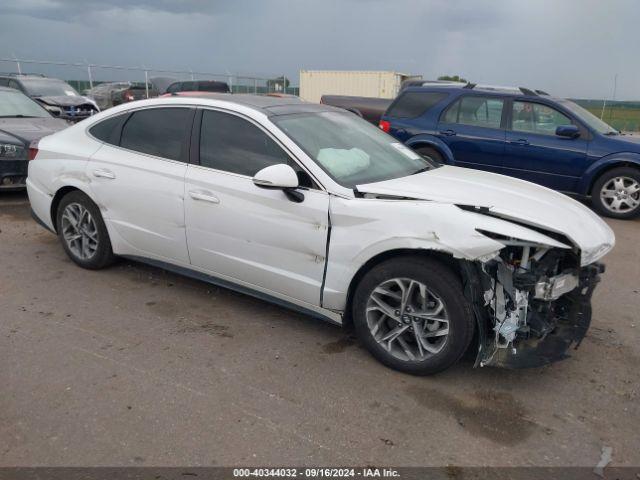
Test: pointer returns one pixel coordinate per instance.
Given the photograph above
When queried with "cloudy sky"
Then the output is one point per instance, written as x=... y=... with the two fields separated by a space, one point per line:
x=568 y=47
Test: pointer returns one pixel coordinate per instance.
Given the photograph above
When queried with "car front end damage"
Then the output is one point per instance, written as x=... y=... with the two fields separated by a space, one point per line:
x=13 y=166
x=532 y=303
x=69 y=108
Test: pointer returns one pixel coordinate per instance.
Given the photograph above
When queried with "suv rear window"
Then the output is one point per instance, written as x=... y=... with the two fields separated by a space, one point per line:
x=414 y=104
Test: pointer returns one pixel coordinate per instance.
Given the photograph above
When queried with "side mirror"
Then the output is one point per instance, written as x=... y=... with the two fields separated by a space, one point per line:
x=280 y=176
x=276 y=176
x=568 y=131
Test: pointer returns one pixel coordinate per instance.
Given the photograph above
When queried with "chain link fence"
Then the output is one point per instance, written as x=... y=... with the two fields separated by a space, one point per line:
x=85 y=75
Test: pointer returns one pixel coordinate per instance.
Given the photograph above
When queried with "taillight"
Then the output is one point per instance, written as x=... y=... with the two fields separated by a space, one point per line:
x=384 y=126
x=128 y=96
x=33 y=150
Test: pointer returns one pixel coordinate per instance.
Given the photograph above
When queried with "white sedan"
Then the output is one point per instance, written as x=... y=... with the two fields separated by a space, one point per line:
x=315 y=209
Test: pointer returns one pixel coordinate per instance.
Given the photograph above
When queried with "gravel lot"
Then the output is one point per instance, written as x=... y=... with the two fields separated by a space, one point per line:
x=136 y=366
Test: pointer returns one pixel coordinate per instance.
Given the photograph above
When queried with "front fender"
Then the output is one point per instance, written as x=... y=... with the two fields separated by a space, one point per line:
x=425 y=139
x=362 y=229
x=605 y=163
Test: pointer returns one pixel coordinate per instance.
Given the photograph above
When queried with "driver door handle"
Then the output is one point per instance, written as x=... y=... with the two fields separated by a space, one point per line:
x=448 y=132
x=520 y=141
x=204 y=196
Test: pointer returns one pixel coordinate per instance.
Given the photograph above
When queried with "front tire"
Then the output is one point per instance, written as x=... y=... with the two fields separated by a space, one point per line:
x=82 y=231
x=412 y=315
x=616 y=193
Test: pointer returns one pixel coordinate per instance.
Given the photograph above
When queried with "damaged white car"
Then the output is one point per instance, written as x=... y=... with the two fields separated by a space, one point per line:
x=315 y=209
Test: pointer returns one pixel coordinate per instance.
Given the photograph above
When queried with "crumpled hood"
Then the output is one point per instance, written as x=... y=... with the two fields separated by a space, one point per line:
x=65 y=100
x=509 y=198
x=26 y=130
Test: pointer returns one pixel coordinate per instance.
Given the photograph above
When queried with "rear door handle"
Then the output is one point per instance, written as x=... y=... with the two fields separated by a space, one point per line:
x=448 y=133
x=520 y=141
x=203 y=196
x=102 y=173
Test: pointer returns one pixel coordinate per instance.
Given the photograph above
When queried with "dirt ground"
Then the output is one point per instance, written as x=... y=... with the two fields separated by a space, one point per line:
x=136 y=366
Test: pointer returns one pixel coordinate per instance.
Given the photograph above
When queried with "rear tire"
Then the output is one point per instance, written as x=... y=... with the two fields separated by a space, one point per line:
x=430 y=152
x=616 y=193
x=82 y=231
x=428 y=323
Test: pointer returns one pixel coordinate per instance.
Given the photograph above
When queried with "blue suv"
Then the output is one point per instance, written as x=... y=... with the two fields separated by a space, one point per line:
x=525 y=134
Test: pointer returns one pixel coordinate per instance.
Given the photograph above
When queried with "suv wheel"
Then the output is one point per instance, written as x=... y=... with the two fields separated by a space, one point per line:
x=82 y=231
x=411 y=314
x=617 y=193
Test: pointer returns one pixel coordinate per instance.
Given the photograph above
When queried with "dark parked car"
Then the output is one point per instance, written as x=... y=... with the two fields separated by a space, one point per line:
x=107 y=95
x=199 y=86
x=521 y=133
x=21 y=121
x=371 y=109
x=55 y=95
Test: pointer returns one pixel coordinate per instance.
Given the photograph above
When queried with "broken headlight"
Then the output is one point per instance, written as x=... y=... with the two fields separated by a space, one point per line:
x=589 y=257
x=10 y=151
x=521 y=284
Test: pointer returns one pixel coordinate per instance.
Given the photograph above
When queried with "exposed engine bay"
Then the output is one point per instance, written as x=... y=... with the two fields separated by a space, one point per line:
x=532 y=304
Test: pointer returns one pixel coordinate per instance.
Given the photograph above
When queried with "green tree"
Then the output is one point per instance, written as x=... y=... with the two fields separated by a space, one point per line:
x=453 y=78
x=278 y=84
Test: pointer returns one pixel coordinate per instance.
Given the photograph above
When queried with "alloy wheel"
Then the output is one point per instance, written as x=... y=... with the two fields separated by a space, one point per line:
x=620 y=195
x=79 y=231
x=407 y=319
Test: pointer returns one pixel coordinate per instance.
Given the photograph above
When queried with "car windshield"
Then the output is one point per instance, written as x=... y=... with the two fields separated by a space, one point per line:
x=47 y=87
x=15 y=104
x=589 y=118
x=349 y=149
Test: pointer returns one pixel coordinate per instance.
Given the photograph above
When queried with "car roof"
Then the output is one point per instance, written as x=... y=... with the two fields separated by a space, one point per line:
x=268 y=105
x=27 y=76
x=494 y=90
x=9 y=89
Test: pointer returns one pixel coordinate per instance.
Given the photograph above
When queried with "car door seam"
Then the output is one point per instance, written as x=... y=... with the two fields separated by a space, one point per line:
x=326 y=255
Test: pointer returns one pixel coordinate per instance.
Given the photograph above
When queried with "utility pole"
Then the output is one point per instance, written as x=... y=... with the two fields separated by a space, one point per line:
x=17 y=64
x=89 y=73
x=615 y=88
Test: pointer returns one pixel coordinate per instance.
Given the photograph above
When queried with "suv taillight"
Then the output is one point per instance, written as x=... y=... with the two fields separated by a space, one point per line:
x=33 y=150
x=128 y=96
x=384 y=126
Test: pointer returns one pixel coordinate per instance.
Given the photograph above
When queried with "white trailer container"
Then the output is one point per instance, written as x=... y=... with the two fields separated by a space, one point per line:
x=379 y=84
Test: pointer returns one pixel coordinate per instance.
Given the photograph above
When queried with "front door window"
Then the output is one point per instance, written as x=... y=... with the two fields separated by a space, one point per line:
x=536 y=118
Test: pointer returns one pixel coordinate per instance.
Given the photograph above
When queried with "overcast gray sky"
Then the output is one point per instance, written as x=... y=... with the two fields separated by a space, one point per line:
x=568 y=47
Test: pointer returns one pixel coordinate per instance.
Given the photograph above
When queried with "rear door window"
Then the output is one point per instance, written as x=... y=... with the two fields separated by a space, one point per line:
x=108 y=130
x=477 y=111
x=162 y=132
x=414 y=104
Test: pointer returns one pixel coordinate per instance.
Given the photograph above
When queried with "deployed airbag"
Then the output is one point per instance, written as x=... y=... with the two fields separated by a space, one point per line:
x=343 y=163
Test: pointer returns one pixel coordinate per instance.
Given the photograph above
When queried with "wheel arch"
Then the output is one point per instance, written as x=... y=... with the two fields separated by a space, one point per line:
x=434 y=142
x=447 y=259
x=57 y=198
x=606 y=164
